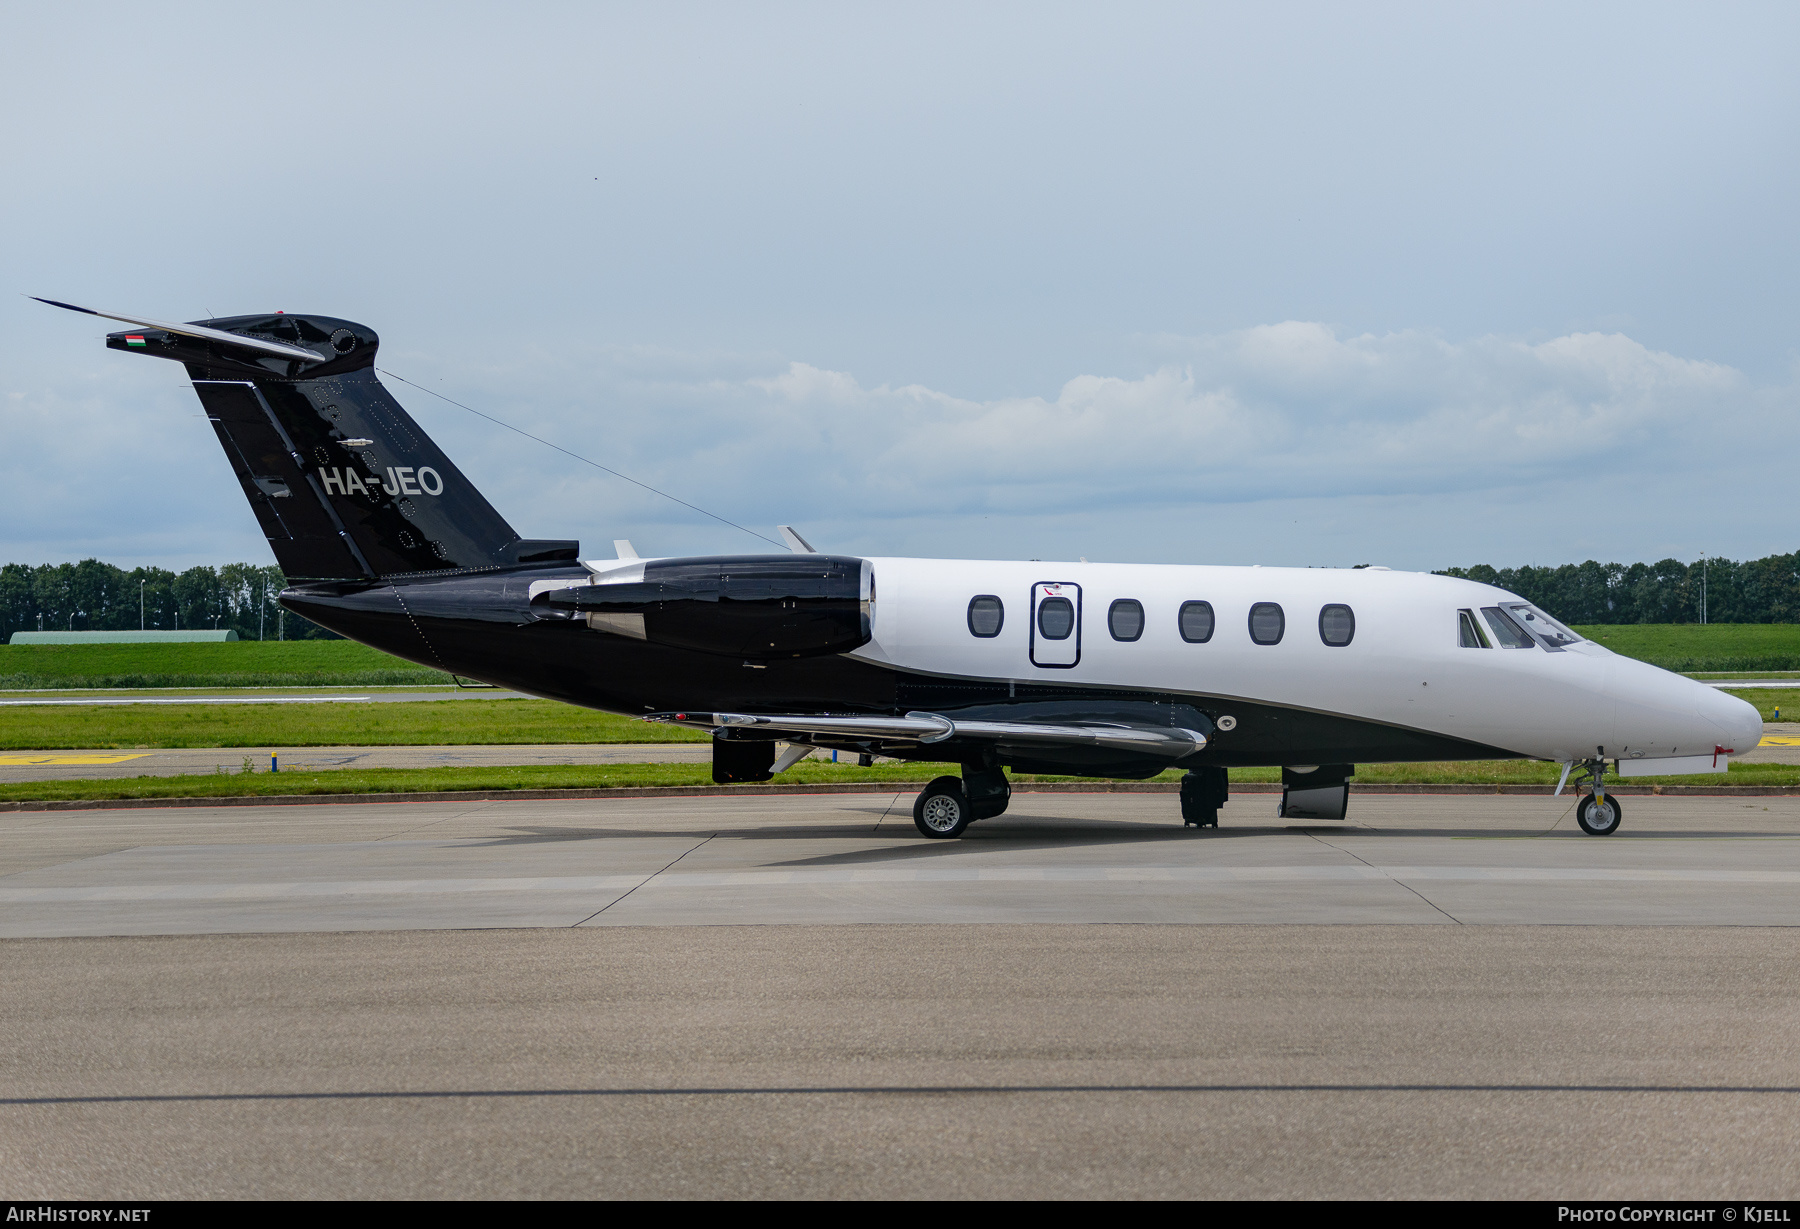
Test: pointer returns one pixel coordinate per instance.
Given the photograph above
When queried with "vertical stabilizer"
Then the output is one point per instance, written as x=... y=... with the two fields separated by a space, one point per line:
x=343 y=482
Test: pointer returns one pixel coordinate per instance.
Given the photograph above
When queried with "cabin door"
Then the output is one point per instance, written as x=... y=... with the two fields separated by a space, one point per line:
x=1055 y=624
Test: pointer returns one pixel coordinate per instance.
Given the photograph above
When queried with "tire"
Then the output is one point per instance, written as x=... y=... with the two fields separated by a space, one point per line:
x=942 y=809
x=1599 y=821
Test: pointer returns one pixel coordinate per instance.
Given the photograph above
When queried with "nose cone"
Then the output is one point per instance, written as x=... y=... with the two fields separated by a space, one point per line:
x=1737 y=721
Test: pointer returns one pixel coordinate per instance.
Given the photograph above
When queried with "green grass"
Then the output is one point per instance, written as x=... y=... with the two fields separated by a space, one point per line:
x=1703 y=647
x=371 y=724
x=242 y=663
x=423 y=723
x=903 y=776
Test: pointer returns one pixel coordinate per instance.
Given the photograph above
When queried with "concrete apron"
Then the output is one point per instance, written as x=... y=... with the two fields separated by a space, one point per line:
x=848 y=787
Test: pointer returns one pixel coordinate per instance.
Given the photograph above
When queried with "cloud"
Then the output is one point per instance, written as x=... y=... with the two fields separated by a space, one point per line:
x=1358 y=437
x=1275 y=411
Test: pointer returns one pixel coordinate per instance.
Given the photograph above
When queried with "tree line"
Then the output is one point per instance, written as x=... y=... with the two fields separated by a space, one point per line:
x=96 y=596
x=1753 y=591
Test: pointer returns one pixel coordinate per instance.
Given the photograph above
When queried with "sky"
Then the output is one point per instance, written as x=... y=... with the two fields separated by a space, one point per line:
x=1301 y=284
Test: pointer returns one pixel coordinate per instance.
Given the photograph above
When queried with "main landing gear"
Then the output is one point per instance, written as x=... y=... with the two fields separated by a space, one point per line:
x=948 y=805
x=1203 y=792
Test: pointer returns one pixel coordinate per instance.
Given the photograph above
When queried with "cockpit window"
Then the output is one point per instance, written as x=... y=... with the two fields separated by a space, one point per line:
x=1471 y=636
x=1551 y=634
x=1508 y=633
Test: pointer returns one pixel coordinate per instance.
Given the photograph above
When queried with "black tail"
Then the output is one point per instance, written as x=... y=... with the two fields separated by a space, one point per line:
x=343 y=482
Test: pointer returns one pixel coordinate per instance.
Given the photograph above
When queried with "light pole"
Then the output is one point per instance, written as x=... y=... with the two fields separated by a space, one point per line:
x=140 y=605
x=1703 y=588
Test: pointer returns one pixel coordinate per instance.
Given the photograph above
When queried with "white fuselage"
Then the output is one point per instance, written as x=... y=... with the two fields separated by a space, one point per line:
x=1403 y=666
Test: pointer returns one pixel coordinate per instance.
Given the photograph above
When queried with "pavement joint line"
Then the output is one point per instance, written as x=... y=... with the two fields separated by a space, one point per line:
x=882 y=818
x=900 y=1090
x=1315 y=836
x=484 y=805
x=609 y=904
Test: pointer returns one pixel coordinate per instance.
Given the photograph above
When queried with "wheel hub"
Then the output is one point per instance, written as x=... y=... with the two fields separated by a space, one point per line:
x=942 y=814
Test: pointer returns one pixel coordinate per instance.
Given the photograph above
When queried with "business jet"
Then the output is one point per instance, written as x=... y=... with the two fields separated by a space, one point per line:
x=1084 y=669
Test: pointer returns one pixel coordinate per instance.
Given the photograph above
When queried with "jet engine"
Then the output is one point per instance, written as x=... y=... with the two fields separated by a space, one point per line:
x=752 y=606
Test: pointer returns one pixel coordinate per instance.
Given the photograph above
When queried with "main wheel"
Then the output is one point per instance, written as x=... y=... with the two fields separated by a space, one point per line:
x=942 y=809
x=1598 y=819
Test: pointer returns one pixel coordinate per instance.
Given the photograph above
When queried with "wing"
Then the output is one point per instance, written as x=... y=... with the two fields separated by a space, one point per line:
x=928 y=728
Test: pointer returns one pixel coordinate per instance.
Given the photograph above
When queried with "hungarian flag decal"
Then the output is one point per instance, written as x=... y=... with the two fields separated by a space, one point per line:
x=134 y=341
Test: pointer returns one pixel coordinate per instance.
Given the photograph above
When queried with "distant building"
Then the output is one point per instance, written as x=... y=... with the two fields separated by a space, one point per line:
x=121 y=637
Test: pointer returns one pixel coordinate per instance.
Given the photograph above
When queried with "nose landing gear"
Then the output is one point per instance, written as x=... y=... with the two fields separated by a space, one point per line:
x=1598 y=812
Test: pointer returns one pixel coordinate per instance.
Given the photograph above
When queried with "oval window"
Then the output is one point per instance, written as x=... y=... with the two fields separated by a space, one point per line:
x=986 y=615
x=1196 y=622
x=1125 y=619
x=1337 y=625
x=1267 y=623
x=1056 y=618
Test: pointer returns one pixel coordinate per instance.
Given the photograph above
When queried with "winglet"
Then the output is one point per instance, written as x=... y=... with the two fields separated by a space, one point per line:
x=796 y=543
x=625 y=548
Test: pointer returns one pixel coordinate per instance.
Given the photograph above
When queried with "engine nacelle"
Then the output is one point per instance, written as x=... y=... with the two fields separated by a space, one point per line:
x=752 y=606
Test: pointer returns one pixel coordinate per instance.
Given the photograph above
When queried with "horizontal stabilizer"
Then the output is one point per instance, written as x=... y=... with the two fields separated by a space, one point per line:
x=257 y=345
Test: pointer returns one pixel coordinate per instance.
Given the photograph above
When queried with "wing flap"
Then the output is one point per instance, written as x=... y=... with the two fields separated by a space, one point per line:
x=930 y=728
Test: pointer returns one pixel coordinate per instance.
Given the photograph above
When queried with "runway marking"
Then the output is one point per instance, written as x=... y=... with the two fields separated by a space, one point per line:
x=20 y=760
x=1223 y=875
x=891 y=1090
x=1779 y=740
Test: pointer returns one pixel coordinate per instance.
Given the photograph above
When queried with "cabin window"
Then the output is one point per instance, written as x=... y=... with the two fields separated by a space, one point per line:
x=1056 y=618
x=1337 y=625
x=1509 y=634
x=1267 y=623
x=986 y=615
x=1196 y=622
x=1470 y=633
x=1125 y=619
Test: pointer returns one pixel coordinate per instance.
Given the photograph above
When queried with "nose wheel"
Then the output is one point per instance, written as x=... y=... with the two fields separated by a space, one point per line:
x=1598 y=812
x=1598 y=816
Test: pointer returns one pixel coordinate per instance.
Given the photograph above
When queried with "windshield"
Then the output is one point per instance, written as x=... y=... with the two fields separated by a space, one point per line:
x=1549 y=633
x=1507 y=633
